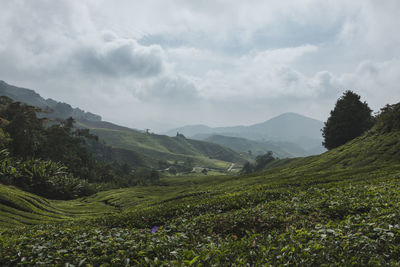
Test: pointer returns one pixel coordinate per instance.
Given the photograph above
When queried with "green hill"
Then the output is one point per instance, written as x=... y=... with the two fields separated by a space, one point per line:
x=338 y=208
x=52 y=109
x=287 y=130
x=150 y=149
x=19 y=208
x=136 y=148
x=280 y=149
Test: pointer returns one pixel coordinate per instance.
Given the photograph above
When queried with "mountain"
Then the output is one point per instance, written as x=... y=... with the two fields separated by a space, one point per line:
x=338 y=208
x=139 y=149
x=279 y=149
x=379 y=146
x=155 y=150
x=51 y=108
x=290 y=127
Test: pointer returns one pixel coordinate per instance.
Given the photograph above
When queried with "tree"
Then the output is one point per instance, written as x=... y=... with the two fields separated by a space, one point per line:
x=188 y=165
x=25 y=129
x=350 y=118
x=172 y=170
x=247 y=168
x=263 y=160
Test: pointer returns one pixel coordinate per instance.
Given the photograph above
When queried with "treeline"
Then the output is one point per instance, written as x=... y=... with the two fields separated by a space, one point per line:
x=50 y=157
x=349 y=119
x=261 y=162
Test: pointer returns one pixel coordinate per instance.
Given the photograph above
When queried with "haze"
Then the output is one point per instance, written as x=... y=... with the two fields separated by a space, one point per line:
x=164 y=64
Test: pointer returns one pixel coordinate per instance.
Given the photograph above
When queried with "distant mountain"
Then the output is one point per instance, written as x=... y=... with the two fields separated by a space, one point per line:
x=279 y=149
x=52 y=109
x=153 y=149
x=137 y=148
x=292 y=128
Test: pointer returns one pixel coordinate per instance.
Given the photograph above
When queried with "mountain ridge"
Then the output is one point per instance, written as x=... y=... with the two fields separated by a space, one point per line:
x=279 y=149
x=127 y=145
x=288 y=127
x=51 y=108
x=301 y=211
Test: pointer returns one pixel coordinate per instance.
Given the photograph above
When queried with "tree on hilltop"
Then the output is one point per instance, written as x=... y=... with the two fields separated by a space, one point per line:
x=350 y=118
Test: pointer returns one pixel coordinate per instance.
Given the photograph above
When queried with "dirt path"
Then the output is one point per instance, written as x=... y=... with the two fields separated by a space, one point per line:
x=231 y=167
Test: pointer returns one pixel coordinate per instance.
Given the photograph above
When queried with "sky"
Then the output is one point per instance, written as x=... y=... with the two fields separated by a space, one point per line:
x=162 y=64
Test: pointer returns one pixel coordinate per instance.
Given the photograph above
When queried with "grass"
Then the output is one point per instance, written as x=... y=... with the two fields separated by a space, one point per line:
x=150 y=148
x=19 y=208
x=339 y=208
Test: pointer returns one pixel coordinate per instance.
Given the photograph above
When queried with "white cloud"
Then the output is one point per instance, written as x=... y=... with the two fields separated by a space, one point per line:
x=376 y=81
x=169 y=89
x=265 y=74
x=116 y=56
x=236 y=62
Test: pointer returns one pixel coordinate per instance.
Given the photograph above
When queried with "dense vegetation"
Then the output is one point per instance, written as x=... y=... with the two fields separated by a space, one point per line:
x=51 y=108
x=339 y=208
x=50 y=158
x=260 y=163
x=350 y=118
x=288 y=132
x=252 y=147
x=124 y=150
x=145 y=149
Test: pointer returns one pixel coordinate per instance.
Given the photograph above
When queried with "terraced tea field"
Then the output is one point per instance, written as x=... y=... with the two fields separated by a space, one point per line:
x=340 y=208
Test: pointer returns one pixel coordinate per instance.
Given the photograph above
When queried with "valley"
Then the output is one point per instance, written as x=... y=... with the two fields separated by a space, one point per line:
x=343 y=203
x=199 y=133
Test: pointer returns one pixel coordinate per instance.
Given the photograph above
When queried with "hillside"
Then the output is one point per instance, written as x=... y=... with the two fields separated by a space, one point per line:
x=280 y=149
x=338 y=208
x=152 y=148
x=292 y=128
x=52 y=109
x=130 y=146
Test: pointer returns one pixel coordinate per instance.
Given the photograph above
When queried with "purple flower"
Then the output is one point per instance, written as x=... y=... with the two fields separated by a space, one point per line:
x=154 y=229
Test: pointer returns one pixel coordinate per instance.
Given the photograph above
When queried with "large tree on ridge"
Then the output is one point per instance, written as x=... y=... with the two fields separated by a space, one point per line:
x=350 y=118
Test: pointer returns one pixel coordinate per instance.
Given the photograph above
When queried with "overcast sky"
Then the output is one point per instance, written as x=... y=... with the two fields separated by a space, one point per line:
x=159 y=64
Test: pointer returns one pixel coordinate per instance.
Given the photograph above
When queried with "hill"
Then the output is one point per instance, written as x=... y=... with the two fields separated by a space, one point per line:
x=338 y=208
x=292 y=128
x=158 y=150
x=379 y=146
x=133 y=147
x=52 y=109
x=280 y=149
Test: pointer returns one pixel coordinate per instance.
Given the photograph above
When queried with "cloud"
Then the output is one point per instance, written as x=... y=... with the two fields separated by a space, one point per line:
x=170 y=89
x=264 y=74
x=324 y=84
x=378 y=82
x=49 y=38
x=120 y=57
x=277 y=56
x=221 y=62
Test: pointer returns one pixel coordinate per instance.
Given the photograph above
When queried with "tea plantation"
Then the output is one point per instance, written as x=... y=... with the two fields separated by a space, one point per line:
x=339 y=208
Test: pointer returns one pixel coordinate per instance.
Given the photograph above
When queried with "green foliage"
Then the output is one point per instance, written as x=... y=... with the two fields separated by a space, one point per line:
x=247 y=168
x=146 y=176
x=341 y=208
x=261 y=162
x=24 y=128
x=45 y=178
x=252 y=147
x=151 y=150
x=4 y=139
x=389 y=118
x=172 y=170
x=268 y=219
x=29 y=138
x=350 y=118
